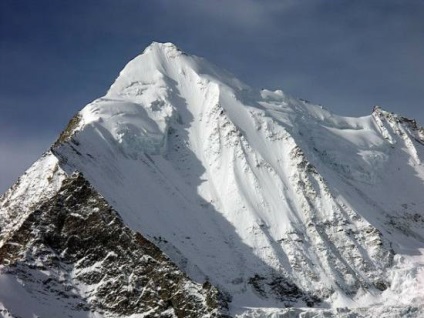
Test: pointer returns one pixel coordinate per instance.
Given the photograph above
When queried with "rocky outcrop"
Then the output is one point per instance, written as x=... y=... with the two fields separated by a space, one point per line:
x=75 y=246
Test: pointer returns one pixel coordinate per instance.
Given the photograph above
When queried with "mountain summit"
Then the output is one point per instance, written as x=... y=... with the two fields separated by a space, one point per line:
x=183 y=192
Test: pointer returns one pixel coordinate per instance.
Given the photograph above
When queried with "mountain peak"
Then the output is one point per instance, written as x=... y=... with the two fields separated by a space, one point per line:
x=161 y=61
x=157 y=60
x=273 y=200
x=166 y=47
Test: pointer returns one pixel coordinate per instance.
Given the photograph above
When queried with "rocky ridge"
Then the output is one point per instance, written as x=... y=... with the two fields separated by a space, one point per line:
x=75 y=247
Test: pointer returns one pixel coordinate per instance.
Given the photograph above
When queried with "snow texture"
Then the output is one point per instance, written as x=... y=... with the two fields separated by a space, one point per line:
x=275 y=201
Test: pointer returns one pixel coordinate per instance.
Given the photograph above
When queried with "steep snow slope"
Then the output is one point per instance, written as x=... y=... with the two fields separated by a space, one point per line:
x=275 y=201
x=40 y=182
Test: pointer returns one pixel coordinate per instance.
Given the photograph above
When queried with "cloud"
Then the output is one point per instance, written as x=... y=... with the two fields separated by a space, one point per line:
x=248 y=14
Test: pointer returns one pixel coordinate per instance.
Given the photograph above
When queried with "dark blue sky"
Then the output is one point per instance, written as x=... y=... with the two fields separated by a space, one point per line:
x=56 y=56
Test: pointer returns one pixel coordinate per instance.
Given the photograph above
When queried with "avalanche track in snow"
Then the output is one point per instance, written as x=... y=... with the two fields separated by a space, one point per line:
x=273 y=200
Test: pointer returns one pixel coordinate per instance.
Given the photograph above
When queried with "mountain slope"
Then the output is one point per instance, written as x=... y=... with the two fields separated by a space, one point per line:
x=275 y=201
x=74 y=247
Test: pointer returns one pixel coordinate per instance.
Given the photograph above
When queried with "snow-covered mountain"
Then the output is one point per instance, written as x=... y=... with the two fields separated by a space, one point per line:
x=184 y=192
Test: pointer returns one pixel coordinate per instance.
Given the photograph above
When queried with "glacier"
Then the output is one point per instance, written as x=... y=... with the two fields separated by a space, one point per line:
x=284 y=207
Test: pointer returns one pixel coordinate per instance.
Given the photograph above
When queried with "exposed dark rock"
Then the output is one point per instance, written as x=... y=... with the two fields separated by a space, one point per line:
x=69 y=130
x=81 y=241
x=282 y=289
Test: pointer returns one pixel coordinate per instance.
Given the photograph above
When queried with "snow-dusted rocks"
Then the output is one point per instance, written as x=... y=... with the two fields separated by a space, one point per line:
x=274 y=201
x=73 y=251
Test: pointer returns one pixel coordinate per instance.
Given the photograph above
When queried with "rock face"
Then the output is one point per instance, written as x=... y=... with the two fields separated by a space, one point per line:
x=263 y=202
x=75 y=247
